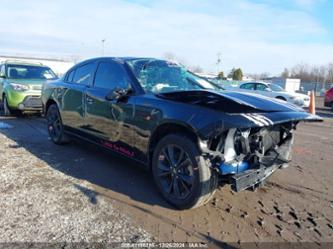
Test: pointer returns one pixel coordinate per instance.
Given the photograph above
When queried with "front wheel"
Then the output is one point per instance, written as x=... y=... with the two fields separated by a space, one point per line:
x=55 y=126
x=181 y=174
x=6 y=108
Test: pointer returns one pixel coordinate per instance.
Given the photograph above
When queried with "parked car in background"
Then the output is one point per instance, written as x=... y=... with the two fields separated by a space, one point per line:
x=275 y=91
x=328 y=98
x=21 y=86
x=189 y=132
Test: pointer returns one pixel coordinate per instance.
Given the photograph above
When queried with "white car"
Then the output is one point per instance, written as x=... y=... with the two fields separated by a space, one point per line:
x=275 y=91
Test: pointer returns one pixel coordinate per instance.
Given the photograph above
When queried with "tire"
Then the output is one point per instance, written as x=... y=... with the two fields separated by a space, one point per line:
x=6 y=108
x=181 y=173
x=55 y=126
x=281 y=98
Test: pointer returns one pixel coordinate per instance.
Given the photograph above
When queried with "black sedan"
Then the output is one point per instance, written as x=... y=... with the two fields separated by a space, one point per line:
x=189 y=132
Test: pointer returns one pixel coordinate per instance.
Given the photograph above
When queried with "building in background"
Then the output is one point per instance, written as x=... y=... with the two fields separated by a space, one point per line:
x=59 y=66
x=290 y=85
x=296 y=85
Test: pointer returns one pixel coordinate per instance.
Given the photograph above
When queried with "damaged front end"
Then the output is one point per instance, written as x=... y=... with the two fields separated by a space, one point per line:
x=246 y=157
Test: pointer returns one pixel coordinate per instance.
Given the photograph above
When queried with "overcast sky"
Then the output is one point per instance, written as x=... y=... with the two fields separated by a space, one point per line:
x=256 y=35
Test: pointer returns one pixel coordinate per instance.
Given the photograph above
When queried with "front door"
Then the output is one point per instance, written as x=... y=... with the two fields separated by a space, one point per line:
x=109 y=121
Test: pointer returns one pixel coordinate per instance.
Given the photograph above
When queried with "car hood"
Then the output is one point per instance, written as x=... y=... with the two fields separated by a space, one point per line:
x=231 y=102
x=234 y=109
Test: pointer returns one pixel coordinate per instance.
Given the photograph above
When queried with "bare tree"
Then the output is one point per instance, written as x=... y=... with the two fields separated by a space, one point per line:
x=172 y=57
x=285 y=74
x=196 y=69
x=330 y=73
x=258 y=76
x=169 y=56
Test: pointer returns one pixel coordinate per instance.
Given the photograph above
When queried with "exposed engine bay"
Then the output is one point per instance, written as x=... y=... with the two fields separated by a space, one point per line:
x=244 y=154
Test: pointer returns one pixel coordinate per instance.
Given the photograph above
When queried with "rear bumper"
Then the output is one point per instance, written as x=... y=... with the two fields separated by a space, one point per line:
x=251 y=178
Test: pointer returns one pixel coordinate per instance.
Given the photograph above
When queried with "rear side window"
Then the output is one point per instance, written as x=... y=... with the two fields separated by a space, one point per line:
x=249 y=86
x=84 y=74
x=110 y=75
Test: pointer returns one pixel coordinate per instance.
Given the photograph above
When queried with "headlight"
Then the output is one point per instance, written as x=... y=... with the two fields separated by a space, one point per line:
x=19 y=87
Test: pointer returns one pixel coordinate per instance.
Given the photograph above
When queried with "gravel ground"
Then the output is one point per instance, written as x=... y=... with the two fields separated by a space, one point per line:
x=39 y=204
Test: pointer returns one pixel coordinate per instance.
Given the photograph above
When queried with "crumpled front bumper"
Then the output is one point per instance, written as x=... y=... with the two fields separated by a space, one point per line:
x=251 y=178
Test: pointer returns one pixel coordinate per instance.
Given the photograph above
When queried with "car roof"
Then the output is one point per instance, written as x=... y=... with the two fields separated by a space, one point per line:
x=123 y=59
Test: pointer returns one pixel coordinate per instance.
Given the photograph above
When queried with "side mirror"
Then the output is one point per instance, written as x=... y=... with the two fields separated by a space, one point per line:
x=118 y=94
x=2 y=76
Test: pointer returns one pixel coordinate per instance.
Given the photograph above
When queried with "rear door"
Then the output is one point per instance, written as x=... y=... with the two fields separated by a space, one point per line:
x=109 y=121
x=73 y=95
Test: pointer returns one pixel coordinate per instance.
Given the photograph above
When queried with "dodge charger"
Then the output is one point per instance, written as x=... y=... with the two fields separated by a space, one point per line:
x=191 y=134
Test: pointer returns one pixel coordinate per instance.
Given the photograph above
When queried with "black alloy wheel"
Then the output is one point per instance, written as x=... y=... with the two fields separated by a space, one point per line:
x=54 y=125
x=181 y=173
x=175 y=171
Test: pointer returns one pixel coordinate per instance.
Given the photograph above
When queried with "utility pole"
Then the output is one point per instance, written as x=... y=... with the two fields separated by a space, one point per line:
x=218 y=62
x=103 y=41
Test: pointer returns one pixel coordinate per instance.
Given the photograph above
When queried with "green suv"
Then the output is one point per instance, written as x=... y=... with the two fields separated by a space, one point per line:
x=21 y=85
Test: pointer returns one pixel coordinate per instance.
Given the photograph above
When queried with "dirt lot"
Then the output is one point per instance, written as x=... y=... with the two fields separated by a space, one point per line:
x=76 y=192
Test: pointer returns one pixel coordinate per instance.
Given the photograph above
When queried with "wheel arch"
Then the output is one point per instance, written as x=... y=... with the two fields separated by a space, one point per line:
x=281 y=97
x=169 y=128
x=48 y=104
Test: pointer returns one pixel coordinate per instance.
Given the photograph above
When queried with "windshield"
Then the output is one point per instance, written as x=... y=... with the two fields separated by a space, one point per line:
x=30 y=72
x=276 y=88
x=159 y=76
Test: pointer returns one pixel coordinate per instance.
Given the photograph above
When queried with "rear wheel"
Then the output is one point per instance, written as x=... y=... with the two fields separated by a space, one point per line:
x=181 y=174
x=55 y=126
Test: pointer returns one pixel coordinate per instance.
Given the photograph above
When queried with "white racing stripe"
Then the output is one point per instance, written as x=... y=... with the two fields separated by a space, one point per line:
x=264 y=118
x=258 y=119
x=252 y=119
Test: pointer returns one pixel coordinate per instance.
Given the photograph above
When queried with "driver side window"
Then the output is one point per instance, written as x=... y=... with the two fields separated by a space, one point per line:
x=110 y=75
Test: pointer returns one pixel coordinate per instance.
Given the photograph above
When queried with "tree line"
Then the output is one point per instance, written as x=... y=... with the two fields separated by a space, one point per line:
x=303 y=71
x=310 y=73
